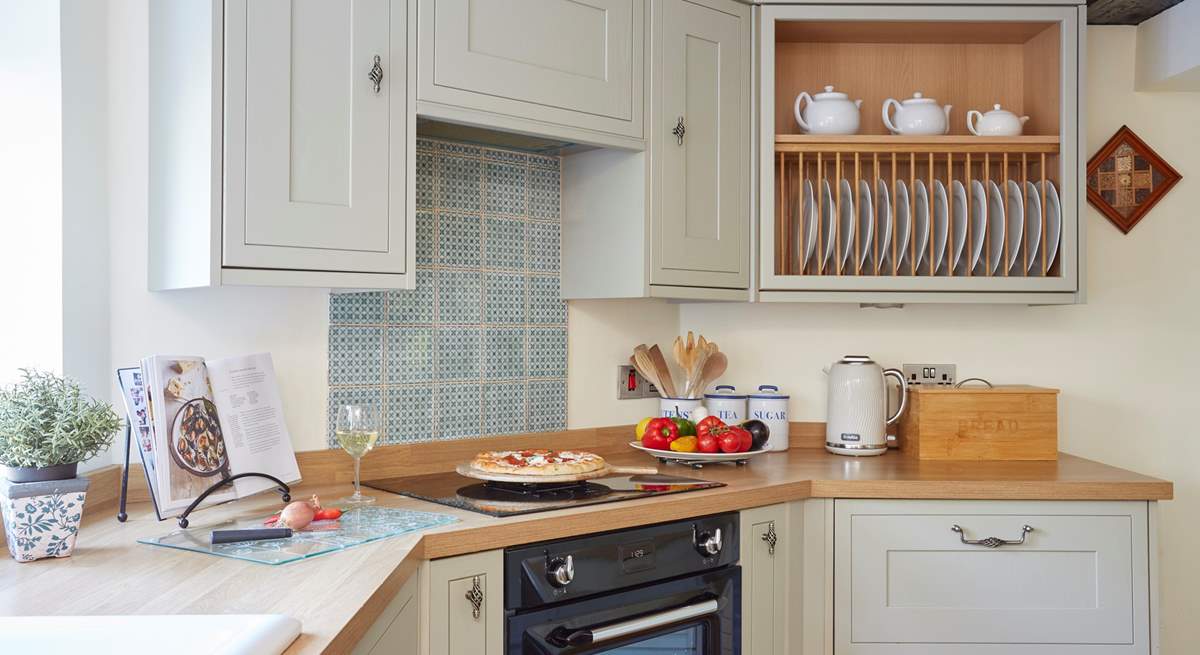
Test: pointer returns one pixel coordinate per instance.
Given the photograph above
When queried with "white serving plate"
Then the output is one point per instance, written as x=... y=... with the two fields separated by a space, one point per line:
x=866 y=223
x=698 y=457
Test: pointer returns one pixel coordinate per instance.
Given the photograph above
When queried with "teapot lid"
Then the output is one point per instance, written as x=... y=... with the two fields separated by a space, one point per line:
x=830 y=94
x=997 y=110
x=919 y=99
x=855 y=359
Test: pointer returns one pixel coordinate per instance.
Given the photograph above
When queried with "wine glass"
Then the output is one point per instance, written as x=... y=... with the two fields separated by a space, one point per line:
x=356 y=430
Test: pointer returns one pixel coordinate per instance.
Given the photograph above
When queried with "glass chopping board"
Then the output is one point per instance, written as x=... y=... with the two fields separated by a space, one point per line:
x=356 y=527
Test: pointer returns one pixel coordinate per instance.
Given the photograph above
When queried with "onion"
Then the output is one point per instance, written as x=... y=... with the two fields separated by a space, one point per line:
x=296 y=515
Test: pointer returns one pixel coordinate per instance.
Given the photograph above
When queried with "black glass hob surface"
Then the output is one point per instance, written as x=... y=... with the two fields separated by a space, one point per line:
x=511 y=499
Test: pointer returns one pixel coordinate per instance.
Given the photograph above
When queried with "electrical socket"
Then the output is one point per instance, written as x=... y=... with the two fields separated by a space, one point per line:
x=631 y=384
x=941 y=375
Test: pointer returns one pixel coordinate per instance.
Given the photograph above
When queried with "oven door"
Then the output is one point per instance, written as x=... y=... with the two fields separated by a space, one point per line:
x=694 y=615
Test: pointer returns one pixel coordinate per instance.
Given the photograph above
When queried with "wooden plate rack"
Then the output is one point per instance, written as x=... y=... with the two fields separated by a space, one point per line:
x=891 y=158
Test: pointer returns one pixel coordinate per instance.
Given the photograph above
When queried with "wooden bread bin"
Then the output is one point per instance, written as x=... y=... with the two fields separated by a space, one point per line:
x=999 y=423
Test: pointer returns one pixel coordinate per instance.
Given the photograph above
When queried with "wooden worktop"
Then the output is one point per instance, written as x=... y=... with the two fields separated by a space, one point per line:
x=338 y=597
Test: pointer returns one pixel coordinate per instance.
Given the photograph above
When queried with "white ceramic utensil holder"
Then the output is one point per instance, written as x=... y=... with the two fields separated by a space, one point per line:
x=678 y=407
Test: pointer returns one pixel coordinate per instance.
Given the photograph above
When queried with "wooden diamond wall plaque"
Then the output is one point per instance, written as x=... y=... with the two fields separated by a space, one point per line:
x=1126 y=178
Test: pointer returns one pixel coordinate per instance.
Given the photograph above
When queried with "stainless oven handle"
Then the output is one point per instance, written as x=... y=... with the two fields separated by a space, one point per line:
x=640 y=624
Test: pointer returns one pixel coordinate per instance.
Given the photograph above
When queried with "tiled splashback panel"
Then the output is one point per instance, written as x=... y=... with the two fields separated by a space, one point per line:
x=480 y=346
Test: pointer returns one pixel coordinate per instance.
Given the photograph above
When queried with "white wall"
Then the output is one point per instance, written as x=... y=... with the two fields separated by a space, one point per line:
x=30 y=187
x=1126 y=361
x=292 y=324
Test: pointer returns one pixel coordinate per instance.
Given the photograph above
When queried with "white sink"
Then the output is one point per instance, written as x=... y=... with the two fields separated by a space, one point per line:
x=176 y=634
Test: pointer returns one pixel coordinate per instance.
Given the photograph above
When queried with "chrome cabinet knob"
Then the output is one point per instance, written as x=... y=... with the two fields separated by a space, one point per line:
x=561 y=571
x=709 y=544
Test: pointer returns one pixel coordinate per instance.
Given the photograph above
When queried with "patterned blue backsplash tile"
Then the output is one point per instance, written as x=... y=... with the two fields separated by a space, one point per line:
x=480 y=346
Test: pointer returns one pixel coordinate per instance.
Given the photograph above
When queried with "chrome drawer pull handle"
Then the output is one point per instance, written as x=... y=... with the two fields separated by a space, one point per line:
x=992 y=542
x=376 y=74
x=771 y=538
x=475 y=596
x=679 y=131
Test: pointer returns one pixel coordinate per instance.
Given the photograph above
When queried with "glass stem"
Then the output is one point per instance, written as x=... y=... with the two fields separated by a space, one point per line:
x=357 y=466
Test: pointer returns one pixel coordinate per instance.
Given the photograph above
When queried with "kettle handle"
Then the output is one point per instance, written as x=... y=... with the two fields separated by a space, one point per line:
x=895 y=373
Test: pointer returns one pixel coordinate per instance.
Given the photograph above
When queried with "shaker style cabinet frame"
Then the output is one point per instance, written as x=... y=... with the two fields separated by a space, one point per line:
x=282 y=143
x=971 y=55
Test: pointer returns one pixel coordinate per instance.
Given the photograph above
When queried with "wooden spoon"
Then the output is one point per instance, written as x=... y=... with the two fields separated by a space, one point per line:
x=694 y=377
x=645 y=365
x=662 y=371
x=714 y=368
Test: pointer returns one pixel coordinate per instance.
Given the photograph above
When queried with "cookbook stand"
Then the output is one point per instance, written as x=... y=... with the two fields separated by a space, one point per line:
x=285 y=491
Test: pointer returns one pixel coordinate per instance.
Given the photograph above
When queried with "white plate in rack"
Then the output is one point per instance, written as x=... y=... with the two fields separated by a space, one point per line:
x=903 y=224
x=1053 y=223
x=1033 y=226
x=866 y=223
x=959 y=211
x=979 y=219
x=1016 y=225
x=941 y=226
x=810 y=224
x=920 y=226
x=826 y=225
x=846 y=224
x=883 y=223
x=996 y=224
x=700 y=458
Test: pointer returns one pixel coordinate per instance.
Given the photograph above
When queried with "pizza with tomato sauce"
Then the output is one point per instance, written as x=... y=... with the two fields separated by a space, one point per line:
x=537 y=462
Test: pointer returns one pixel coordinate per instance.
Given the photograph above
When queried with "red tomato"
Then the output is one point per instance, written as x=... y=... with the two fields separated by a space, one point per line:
x=707 y=444
x=730 y=441
x=747 y=439
x=707 y=425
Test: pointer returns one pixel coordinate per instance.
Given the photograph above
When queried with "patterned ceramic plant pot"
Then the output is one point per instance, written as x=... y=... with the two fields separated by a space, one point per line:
x=41 y=519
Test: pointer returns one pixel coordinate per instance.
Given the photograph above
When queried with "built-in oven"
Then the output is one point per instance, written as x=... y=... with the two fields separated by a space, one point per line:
x=669 y=588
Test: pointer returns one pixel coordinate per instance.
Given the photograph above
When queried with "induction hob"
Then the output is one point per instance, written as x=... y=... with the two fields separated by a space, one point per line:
x=510 y=499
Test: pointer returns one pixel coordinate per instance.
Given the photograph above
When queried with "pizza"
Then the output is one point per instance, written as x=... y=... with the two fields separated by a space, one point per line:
x=537 y=462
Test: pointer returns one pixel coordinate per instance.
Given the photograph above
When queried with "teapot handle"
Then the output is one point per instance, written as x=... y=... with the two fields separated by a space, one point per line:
x=972 y=123
x=887 y=120
x=895 y=373
x=803 y=97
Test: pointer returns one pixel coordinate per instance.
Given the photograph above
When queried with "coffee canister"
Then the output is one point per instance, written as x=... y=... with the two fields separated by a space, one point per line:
x=678 y=407
x=726 y=404
x=771 y=407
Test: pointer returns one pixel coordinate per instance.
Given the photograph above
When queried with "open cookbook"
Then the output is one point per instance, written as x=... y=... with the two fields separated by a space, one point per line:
x=195 y=422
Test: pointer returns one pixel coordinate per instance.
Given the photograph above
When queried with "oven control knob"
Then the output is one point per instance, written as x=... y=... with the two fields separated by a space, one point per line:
x=709 y=543
x=561 y=571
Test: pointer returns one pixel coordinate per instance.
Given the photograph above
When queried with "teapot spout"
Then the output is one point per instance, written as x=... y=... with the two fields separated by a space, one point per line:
x=1023 y=119
x=946 y=109
x=858 y=103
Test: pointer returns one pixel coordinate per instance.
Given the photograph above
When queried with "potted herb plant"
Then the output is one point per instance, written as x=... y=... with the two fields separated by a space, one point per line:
x=47 y=427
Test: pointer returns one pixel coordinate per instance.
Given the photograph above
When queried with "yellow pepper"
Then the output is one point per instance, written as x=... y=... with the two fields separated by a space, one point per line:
x=684 y=445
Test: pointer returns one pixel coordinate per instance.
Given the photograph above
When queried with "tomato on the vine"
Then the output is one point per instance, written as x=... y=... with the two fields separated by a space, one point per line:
x=708 y=426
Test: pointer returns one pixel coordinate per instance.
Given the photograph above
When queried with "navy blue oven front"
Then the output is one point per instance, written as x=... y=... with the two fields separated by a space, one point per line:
x=672 y=588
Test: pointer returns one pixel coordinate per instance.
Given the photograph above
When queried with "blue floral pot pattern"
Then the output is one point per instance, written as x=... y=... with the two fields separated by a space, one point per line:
x=42 y=526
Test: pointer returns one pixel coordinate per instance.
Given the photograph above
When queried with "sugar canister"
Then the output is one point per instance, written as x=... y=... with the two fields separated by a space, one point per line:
x=726 y=404
x=771 y=407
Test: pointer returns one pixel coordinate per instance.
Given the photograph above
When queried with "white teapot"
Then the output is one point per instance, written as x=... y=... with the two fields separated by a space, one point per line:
x=830 y=112
x=917 y=115
x=997 y=122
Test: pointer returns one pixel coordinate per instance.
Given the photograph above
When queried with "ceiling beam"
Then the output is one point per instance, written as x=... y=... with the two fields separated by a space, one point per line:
x=1125 y=12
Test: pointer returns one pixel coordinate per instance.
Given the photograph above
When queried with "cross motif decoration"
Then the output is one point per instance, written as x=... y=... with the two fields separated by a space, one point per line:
x=1126 y=178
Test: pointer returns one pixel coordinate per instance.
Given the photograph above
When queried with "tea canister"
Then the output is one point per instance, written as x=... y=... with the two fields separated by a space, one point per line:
x=771 y=407
x=678 y=407
x=726 y=404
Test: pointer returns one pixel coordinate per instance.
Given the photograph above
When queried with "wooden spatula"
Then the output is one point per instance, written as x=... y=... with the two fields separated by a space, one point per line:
x=662 y=371
x=642 y=361
x=714 y=368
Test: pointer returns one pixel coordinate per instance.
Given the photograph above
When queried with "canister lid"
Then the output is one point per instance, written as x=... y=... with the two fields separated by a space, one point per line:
x=769 y=392
x=729 y=395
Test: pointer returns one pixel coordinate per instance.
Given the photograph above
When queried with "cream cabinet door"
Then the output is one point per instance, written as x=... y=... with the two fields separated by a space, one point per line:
x=701 y=217
x=907 y=583
x=317 y=153
x=466 y=604
x=396 y=631
x=764 y=532
x=571 y=62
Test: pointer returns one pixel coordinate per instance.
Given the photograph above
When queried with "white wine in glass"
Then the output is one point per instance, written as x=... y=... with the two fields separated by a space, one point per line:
x=357 y=430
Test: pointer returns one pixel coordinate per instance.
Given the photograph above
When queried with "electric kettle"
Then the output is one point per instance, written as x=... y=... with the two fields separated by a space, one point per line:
x=856 y=418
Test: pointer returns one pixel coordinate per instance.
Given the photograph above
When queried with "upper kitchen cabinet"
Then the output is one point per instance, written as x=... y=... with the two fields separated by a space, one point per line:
x=901 y=201
x=570 y=69
x=672 y=220
x=282 y=138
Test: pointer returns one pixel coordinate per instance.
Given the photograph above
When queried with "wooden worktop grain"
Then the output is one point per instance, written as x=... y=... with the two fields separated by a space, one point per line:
x=337 y=597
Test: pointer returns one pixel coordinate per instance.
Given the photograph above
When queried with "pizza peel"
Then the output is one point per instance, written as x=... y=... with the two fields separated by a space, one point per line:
x=608 y=469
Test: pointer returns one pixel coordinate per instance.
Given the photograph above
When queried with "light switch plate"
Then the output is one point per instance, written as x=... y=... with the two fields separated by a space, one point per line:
x=631 y=384
x=942 y=375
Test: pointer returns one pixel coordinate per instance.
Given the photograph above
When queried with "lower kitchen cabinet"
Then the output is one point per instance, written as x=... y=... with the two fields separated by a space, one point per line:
x=1021 y=577
x=466 y=604
x=395 y=631
x=765 y=544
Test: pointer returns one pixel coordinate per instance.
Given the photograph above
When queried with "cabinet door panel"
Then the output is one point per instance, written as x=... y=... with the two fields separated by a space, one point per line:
x=764 y=580
x=454 y=627
x=565 y=61
x=904 y=577
x=702 y=209
x=318 y=157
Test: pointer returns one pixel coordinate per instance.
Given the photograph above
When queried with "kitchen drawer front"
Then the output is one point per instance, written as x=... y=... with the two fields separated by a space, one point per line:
x=567 y=62
x=906 y=583
x=466 y=604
